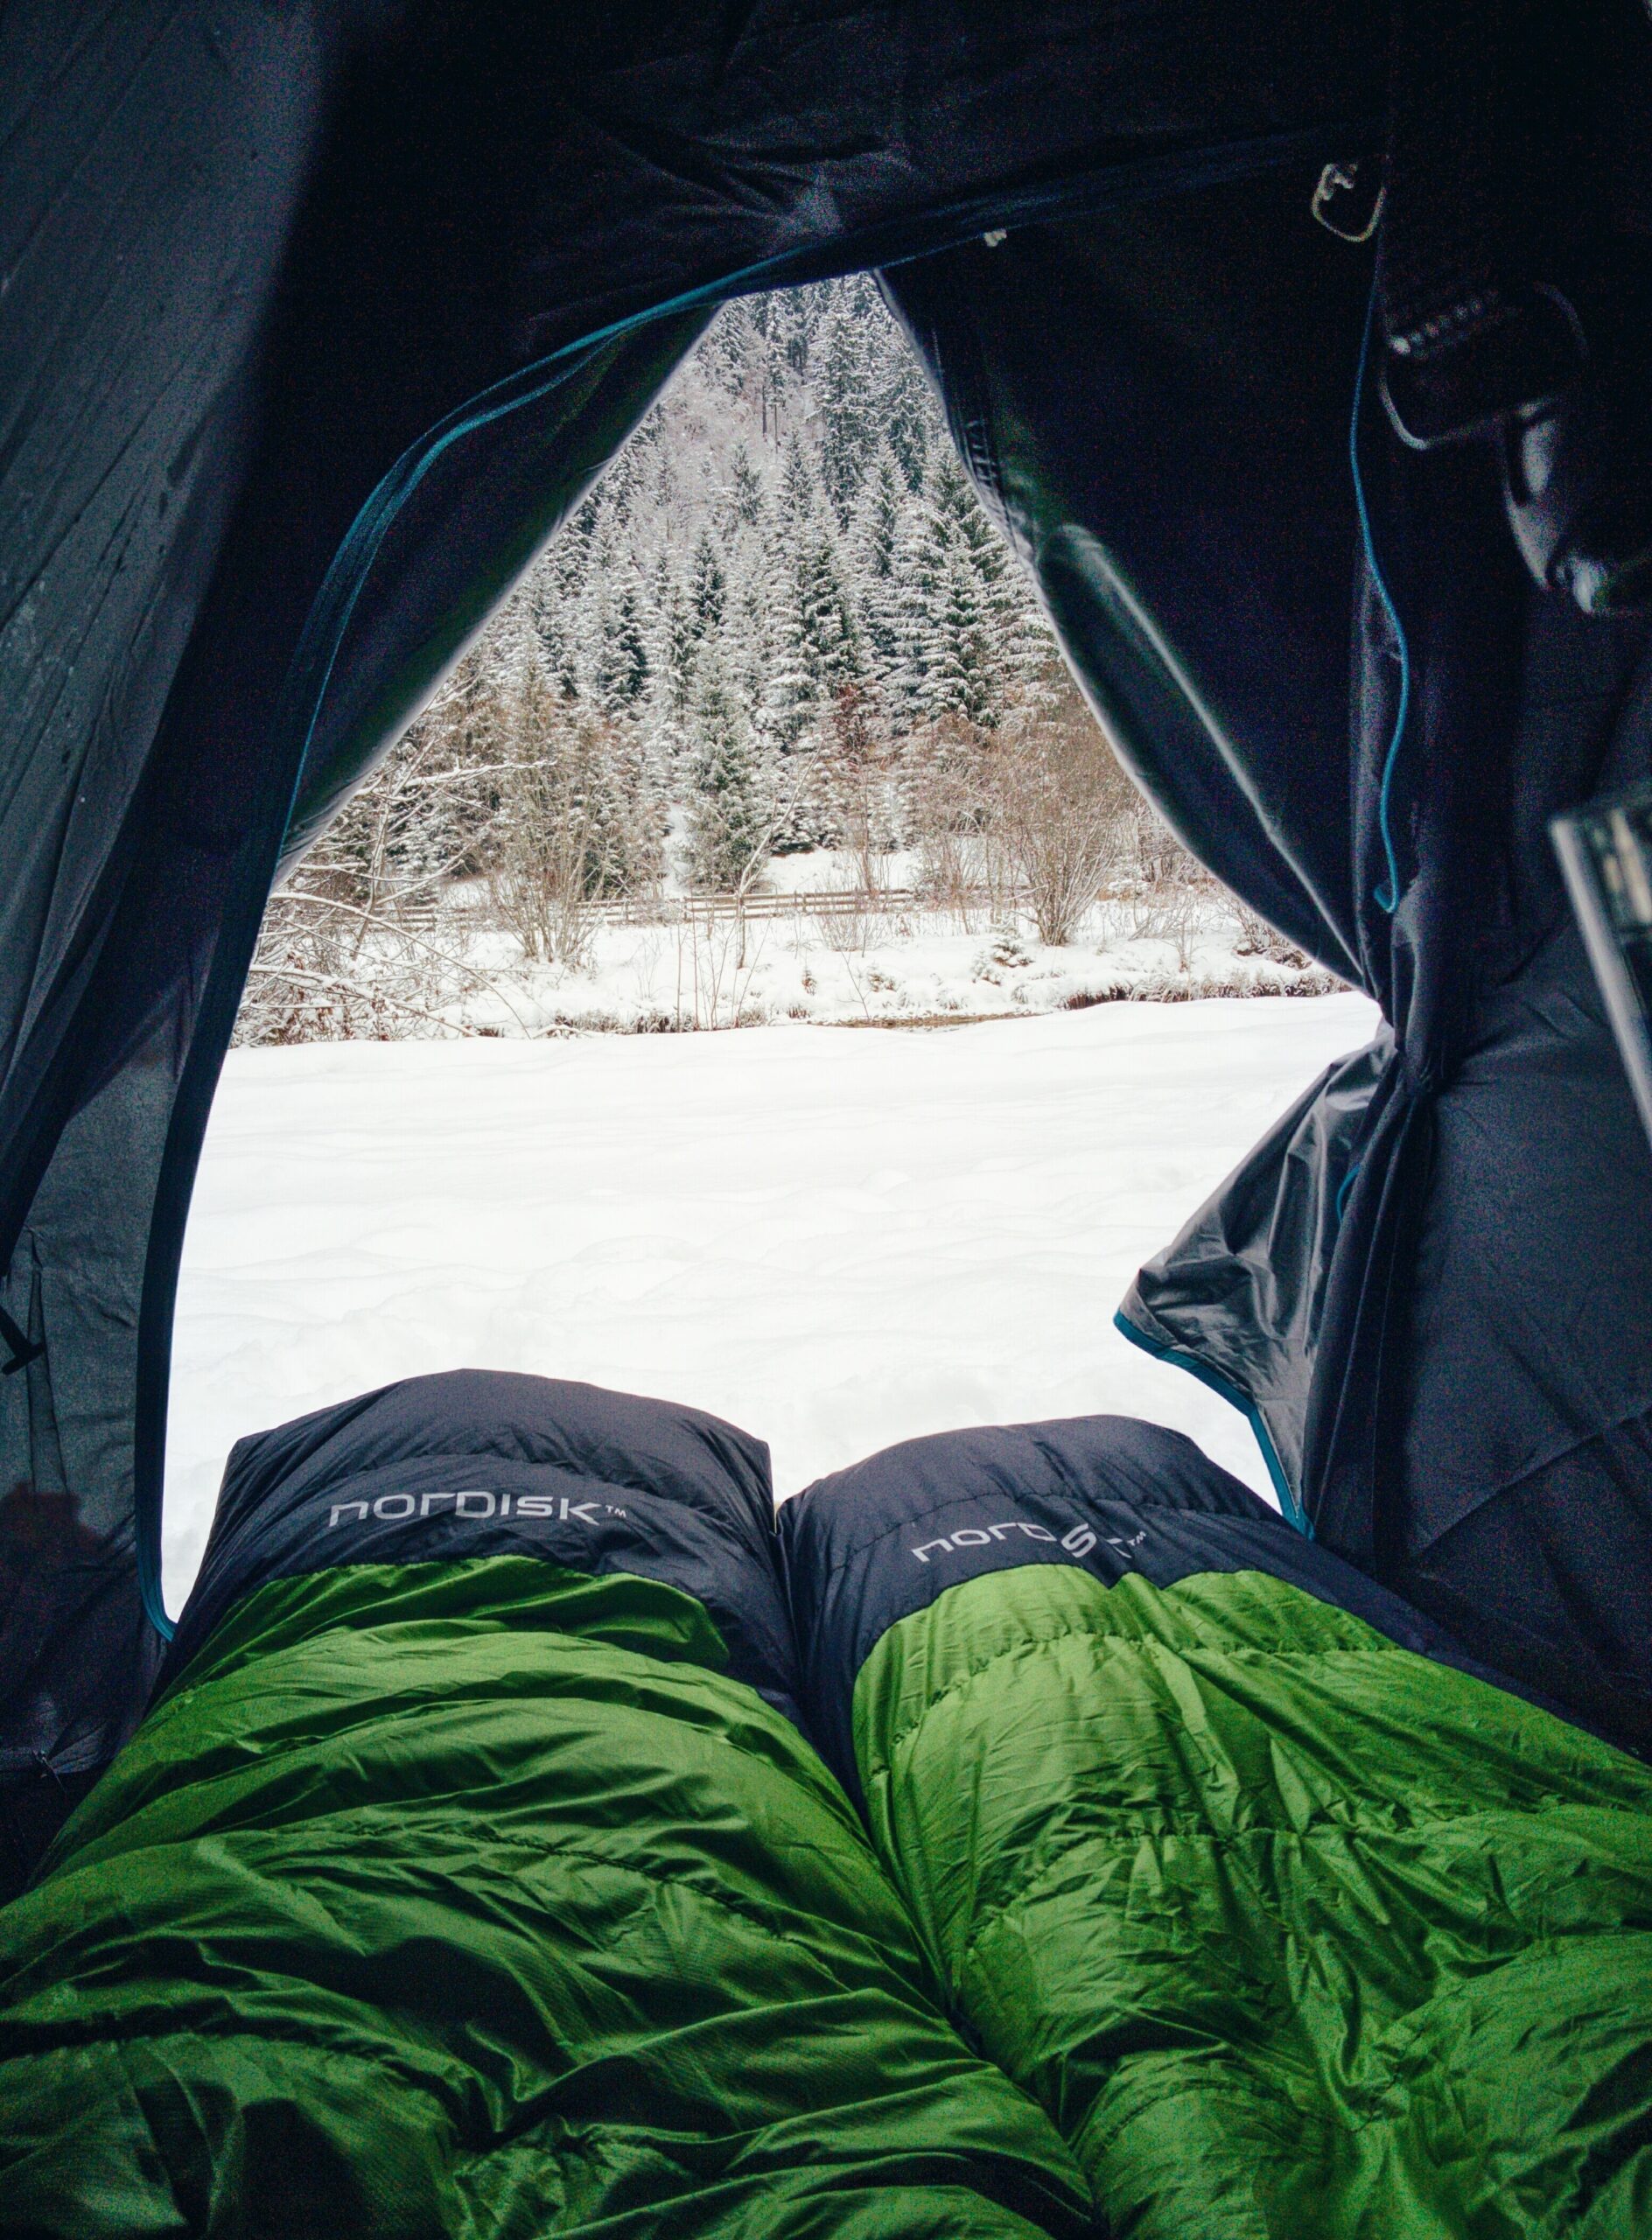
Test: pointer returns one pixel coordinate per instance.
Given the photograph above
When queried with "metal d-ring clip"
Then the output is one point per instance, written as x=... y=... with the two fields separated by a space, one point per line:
x=1344 y=203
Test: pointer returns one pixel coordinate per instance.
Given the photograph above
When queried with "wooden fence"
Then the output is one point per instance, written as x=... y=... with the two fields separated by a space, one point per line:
x=806 y=902
x=424 y=912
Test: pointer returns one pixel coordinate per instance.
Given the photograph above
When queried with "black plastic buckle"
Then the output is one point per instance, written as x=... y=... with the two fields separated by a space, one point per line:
x=1514 y=354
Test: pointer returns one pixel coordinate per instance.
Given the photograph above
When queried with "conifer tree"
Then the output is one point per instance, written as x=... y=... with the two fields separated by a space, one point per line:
x=791 y=684
x=620 y=484
x=799 y=504
x=747 y=641
x=623 y=669
x=845 y=399
x=708 y=585
x=963 y=678
x=904 y=409
x=726 y=829
x=875 y=546
x=733 y=345
x=920 y=573
x=745 y=501
x=677 y=640
x=829 y=632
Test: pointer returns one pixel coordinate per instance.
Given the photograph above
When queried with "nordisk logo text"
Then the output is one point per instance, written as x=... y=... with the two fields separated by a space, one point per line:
x=1078 y=1542
x=474 y=1502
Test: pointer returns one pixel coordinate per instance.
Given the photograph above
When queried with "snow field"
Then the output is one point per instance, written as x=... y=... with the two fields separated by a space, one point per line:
x=836 y=1239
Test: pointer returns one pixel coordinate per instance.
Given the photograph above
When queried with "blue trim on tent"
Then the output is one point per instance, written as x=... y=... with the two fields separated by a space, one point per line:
x=1289 y=1506
x=1343 y=1188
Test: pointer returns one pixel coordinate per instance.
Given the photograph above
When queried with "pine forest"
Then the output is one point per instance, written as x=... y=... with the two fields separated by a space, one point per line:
x=774 y=728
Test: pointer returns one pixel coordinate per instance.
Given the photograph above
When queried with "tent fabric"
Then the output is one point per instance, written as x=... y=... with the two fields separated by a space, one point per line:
x=315 y=327
x=466 y=1878
x=1177 y=483
x=1292 y=1918
x=1431 y=1285
x=249 y=268
x=1433 y=1278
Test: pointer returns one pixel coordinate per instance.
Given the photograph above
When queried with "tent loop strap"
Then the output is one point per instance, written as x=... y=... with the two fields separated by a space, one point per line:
x=24 y=1349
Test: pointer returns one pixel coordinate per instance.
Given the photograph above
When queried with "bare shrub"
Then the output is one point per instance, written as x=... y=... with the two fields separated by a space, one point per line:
x=1065 y=809
x=327 y=970
x=949 y=790
x=563 y=836
x=1168 y=912
x=857 y=748
x=1258 y=938
x=353 y=944
x=1161 y=861
x=850 y=927
x=715 y=969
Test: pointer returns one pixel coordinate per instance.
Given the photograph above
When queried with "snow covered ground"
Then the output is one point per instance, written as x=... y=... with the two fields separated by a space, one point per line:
x=885 y=965
x=800 y=959
x=837 y=1239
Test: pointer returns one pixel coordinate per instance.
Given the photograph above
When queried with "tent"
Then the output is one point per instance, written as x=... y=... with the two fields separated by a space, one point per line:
x=318 y=320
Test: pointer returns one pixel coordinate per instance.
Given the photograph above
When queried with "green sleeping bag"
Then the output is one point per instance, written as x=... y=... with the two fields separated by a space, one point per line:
x=490 y=1894
x=1298 y=1929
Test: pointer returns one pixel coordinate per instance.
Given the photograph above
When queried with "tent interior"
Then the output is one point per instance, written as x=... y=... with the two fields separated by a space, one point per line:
x=322 y=319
